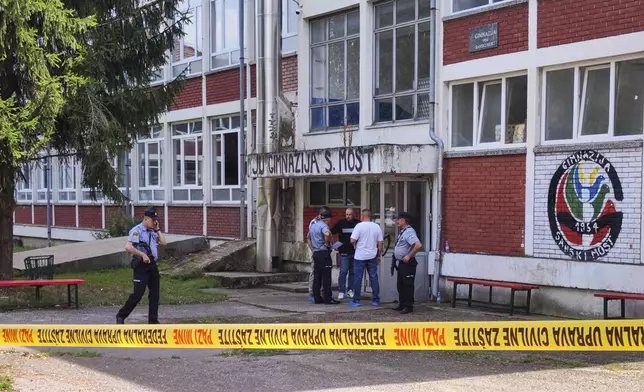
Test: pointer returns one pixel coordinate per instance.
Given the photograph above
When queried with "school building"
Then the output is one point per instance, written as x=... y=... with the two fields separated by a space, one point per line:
x=539 y=105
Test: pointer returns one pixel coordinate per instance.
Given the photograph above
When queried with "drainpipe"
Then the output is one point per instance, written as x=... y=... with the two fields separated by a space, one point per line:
x=242 y=127
x=268 y=83
x=439 y=143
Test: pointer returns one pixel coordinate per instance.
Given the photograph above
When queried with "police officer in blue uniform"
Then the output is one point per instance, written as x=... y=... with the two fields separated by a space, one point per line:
x=407 y=245
x=320 y=243
x=143 y=243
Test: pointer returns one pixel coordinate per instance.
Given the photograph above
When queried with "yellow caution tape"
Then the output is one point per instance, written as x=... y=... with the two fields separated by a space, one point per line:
x=587 y=335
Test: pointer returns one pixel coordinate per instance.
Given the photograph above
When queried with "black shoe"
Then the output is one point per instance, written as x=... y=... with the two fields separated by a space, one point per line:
x=319 y=301
x=398 y=308
x=332 y=302
x=120 y=320
x=407 y=310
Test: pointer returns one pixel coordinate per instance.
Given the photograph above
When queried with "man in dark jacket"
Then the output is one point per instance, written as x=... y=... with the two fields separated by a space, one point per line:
x=343 y=229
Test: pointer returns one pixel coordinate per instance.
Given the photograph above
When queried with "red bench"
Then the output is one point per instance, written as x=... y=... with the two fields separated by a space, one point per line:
x=621 y=297
x=49 y=282
x=514 y=287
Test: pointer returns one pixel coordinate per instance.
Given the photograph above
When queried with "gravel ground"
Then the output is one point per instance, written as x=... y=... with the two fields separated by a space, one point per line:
x=217 y=370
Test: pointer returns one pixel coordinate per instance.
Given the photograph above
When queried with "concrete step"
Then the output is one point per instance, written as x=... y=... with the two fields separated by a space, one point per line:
x=241 y=280
x=295 y=287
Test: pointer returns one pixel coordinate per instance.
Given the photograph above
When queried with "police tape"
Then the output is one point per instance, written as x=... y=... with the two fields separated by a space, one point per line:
x=587 y=335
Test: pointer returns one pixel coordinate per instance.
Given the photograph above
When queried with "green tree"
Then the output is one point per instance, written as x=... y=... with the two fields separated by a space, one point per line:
x=74 y=77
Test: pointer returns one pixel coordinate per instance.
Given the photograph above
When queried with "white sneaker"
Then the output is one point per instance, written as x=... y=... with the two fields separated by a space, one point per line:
x=340 y=296
x=350 y=293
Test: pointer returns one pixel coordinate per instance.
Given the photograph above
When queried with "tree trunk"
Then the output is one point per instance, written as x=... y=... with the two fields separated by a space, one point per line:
x=7 y=206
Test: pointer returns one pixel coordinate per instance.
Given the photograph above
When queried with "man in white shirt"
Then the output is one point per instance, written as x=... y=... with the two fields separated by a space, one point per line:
x=367 y=239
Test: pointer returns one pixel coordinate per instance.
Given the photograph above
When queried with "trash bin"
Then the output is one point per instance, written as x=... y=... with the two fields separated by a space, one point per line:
x=39 y=267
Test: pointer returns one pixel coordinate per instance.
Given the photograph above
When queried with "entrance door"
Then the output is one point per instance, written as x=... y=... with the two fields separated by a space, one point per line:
x=387 y=198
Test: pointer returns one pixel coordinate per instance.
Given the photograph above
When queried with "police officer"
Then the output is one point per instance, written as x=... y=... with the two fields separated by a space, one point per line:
x=308 y=240
x=143 y=243
x=407 y=245
x=320 y=242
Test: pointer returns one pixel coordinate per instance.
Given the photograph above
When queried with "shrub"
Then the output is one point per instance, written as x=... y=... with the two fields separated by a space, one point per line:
x=119 y=226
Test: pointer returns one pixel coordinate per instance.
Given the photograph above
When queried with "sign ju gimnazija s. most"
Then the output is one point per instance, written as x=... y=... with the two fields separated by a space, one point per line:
x=375 y=159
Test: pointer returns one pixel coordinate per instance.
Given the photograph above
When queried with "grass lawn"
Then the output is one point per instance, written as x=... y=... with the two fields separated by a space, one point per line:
x=17 y=249
x=112 y=287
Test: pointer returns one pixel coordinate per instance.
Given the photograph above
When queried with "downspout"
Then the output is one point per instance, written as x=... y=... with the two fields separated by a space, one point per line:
x=439 y=143
x=242 y=127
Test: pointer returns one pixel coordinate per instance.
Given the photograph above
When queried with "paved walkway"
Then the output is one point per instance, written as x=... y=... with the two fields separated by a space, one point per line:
x=346 y=371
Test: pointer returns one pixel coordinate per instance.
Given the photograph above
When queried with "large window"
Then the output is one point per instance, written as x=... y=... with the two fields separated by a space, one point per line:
x=187 y=148
x=290 y=22
x=462 y=5
x=225 y=159
x=489 y=113
x=402 y=61
x=150 y=150
x=43 y=179
x=24 y=190
x=334 y=193
x=224 y=29
x=66 y=179
x=187 y=50
x=593 y=102
x=335 y=71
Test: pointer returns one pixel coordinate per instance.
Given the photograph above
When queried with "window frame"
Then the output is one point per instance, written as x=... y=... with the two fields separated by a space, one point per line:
x=577 y=101
x=25 y=187
x=69 y=192
x=41 y=182
x=194 y=137
x=326 y=190
x=490 y=3
x=287 y=7
x=478 y=113
x=196 y=7
x=144 y=143
x=326 y=104
x=393 y=95
x=215 y=155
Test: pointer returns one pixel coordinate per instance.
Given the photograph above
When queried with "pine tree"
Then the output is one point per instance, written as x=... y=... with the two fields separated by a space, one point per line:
x=74 y=77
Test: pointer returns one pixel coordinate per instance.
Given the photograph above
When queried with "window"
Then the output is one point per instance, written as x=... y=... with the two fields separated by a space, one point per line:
x=402 y=61
x=187 y=50
x=224 y=41
x=595 y=101
x=24 y=184
x=187 y=148
x=225 y=152
x=67 y=179
x=43 y=181
x=335 y=71
x=334 y=193
x=489 y=113
x=462 y=5
x=290 y=22
x=150 y=150
x=157 y=77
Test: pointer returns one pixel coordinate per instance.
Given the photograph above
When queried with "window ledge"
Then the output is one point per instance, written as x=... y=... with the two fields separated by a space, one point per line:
x=491 y=7
x=486 y=153
x=330 y=131
x=571 y=147
x=397 y=124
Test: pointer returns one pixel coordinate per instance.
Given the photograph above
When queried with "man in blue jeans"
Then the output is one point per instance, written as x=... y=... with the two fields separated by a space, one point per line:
x=367 y=239
x=343 y=229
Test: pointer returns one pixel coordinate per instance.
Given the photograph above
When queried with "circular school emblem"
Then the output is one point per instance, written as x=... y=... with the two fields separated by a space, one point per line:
x=583 y=206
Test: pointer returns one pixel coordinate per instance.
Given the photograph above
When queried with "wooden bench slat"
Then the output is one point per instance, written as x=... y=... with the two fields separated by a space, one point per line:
x=620 y=296
x=45 y=282
x=481 y=282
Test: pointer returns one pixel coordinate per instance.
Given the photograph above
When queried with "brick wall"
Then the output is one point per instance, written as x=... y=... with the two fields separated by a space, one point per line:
x=513 y=33
x=628 y=165
x=484 y=205
x=90 y=217
x=568 y=21
x=23 y=214
x=224 y=86
x=289 y=73
x=65 y=216
x=40 y=215
x=224 y=222
x=185 y=220
x=338 y=213
x=190 y=96
x=113 y=213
